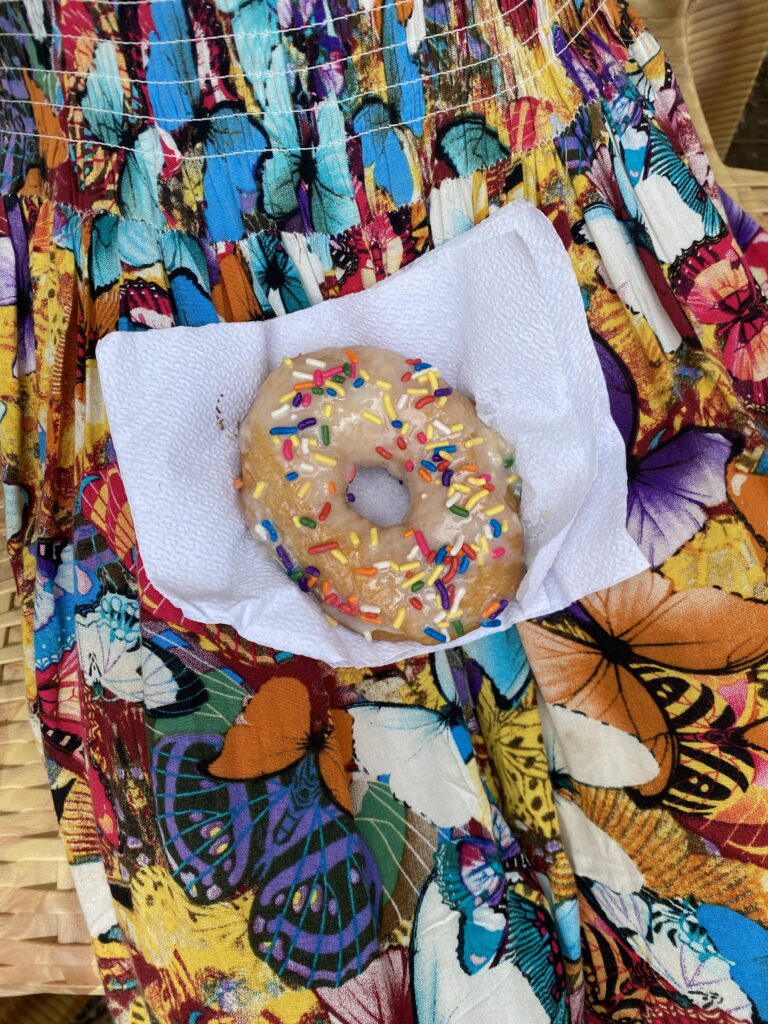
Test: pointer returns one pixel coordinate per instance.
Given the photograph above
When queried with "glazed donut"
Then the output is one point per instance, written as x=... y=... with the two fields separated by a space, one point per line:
x=457 y=559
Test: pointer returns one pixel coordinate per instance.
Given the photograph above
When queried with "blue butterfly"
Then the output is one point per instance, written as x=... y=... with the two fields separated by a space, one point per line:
x=379 y=124
x=468 y=144
x=306 y=172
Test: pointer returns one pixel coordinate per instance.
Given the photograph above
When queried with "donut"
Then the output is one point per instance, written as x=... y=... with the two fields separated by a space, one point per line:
x=453 y=564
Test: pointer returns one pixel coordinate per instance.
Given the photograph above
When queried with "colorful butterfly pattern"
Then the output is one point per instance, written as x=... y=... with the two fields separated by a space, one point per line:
x=561 y=824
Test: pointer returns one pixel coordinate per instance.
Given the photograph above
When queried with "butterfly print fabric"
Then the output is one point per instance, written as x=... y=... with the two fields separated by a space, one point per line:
x=561 y=824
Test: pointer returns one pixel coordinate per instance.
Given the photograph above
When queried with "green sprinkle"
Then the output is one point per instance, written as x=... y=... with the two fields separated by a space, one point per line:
x=417 y=587
x=347 y=369
x=338 y=378
x=458 y=627
x=306 y=521
x=325 y=434
x=317 y=391
x=508 y=463
x=296 y=573
x=459 y=511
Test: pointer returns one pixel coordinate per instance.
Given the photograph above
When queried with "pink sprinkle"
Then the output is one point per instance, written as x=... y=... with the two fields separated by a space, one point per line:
x=306 y=399
x=332 y=372
x=352 y=370
x=352 y=474
x=422 y=437
x=287 y=450
x=485 y=476
x=317 y=379
x=498 y=552
x=423 y=546
x=409 y=466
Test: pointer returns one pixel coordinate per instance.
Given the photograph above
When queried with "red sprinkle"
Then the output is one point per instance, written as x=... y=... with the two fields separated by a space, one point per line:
x=469 y=552
x=383 y=452
x=401 y=443
x=406 y=376
x=424 y=400
x=409 y=466
x=347 y=609
x=451 y=592
x=446 y=579
x=306 y=399
x=332 y=599
x=413 y=362
x=287 y=450
x=490 y=487
x=431 y=556
x=324 y=512
x=368 y=617
x=319 y=549
x=416 y=603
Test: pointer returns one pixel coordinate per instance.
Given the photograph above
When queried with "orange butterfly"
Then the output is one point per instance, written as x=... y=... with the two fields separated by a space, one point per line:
x=277 y=729
x=589 y=661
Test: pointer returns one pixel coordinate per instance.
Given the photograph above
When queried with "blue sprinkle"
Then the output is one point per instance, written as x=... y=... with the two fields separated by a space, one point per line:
x=422 y=366
x=496 y=527
x=296 y=400
x=312 y=570
x=271 y=531
x=446 y=448
x=303 y=585
x=281 y=656
x=332 y=392
x=490 y=623
x=306 y=424
x=350 y=496
x=443 y=592
x=463 y=565
x=358 y=382
x=440 y=637
x=397 y=424
x=283 y=430
x=293 y=475
x=443 y=392
x=440 y=556
x=428 y=465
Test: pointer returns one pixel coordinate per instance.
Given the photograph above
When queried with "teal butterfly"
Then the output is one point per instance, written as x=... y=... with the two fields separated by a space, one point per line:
x=468 y=144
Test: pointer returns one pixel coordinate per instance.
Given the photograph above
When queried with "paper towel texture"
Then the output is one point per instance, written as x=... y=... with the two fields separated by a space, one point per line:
x=498 y=311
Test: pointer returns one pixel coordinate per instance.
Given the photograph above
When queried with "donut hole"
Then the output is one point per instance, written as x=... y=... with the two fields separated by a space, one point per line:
x=377 y=495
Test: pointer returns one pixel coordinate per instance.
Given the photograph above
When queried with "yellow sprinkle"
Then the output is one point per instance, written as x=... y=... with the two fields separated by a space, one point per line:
x=287 y=397
x=327 y=410
x=276 y=439
x=434 y=379
x=354 y=539
x=417 y=391
x=478 y=481
x=383 y=384
x=372 y=418
x=374 y=537
x=330 y=619
x=414 y=579
x=303 y=489
x=504 y=526
x=470 y=503
x=462 y=488
x=313 y=442
x=495 y=510
x=259 y=489
x=483 y=544
x=405 y=428
x=363 y=374
x=339 y=390
x=456 y=428
x=296 y=523
x=442 y=400
x=430 y=432
x=398 y=619
x=409 y=566
x=287 y=361
x=434 y=574
x=324 y=460
x=389 y=407
x=473 y=441
x=339 y=556
x=512 y=478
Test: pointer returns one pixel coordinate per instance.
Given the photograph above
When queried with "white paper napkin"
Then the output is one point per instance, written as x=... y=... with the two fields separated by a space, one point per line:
x=498 y=311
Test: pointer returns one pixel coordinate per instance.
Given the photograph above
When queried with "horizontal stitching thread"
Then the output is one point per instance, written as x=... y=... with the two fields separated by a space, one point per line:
x=336 y=143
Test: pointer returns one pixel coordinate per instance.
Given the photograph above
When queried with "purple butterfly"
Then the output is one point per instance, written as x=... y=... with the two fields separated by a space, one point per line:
x=671 y=487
